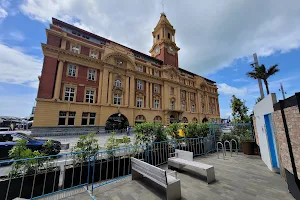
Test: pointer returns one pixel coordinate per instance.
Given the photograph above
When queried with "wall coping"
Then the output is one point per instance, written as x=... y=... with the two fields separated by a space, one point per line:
x=289 y=102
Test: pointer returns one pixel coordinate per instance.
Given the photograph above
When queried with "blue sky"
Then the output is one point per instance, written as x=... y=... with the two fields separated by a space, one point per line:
x=217 y=41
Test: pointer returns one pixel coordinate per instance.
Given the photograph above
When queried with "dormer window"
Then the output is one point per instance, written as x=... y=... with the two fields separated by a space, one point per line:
x=75 y=48
x=94 y=54
x=140 y=68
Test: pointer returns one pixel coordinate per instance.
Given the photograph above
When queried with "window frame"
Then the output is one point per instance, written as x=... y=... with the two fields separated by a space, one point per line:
x=69 y=68
x=156 y=103
x=193 y=108
x=156 y=88
x=94 y=51
x=95 y=75
x=84 y=117
x=65 y=92
x=75 y=44
x=172 y=105
x=88 y=100
x=62 y=117
x=140 y=68
x=71 y=117
x=172 y=91
x=139 y=101
x=117 y=97
x=118 y=83
x=183 y=107
x=139 y=85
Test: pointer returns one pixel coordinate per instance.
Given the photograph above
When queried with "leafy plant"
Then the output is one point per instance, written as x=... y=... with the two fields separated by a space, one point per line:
x=173 y=131
x=194 y=130
x=239 y=110
x=20 y=151
x=111 y=142
x=247 y=137
x=240 y=129
x=47 y=147
x=146 y=133
x=87 y=144
x=229 y=137
x=126 y=140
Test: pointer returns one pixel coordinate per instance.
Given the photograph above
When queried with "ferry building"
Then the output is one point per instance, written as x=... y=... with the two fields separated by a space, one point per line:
x=89 y=83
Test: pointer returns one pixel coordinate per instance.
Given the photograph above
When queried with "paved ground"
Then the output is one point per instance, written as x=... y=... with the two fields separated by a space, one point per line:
x=239 y=177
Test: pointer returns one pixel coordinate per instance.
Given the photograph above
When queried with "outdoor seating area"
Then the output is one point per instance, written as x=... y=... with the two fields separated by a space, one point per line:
x=238 y=177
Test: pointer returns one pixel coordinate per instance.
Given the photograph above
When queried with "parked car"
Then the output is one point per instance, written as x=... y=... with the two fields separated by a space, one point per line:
x=9 y=139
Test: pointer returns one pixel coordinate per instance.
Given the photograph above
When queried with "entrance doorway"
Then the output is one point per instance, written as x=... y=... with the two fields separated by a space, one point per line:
x=116 y=122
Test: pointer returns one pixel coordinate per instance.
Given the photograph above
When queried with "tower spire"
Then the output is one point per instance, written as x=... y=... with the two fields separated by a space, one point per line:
x=163 y=6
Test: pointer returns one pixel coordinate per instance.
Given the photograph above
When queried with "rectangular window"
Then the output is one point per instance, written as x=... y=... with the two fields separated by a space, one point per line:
x=69 y=94
x=72 y=70
x=84 y=119
x=94 y=54
x=158 y=36
x=92 y=119
x=193 y=108
x=156 y=73
x=183 y=107
x=172 y=105
x=117 y=99
x=172 y=91
x=139 y=102
x=140 y=85
x=71 y=118
x=155 y=88
x=91 y=74
x=75 y=48
x=140 y=68
x=89 y=96
x=156 y=104
x=62 y=118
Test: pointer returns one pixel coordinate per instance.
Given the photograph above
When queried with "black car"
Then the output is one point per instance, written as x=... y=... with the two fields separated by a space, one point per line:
x=9 y=139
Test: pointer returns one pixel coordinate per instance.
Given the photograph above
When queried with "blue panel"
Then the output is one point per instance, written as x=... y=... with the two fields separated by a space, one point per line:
x=271 y=141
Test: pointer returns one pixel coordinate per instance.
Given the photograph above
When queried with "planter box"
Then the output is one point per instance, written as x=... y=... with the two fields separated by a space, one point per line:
x=16 y=183
x=248 y=148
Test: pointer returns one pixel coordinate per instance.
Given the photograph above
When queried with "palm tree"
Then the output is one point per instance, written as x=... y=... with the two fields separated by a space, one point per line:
x=262 y=73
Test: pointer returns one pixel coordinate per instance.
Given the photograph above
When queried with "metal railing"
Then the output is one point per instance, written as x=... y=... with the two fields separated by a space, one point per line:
x=37 y=177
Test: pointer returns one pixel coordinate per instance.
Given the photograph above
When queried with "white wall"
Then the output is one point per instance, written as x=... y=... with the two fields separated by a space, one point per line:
x=262 y=108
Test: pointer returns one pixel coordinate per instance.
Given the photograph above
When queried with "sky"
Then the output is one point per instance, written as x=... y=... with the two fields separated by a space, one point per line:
x=217 y=40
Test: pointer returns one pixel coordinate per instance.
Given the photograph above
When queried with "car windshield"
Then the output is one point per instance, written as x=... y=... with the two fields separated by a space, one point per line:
x=26 y=136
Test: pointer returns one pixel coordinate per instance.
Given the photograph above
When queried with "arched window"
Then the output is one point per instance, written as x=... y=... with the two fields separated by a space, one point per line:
x=118 y=83
x=140 y=119
x=195 y=120
x=172 y=104
x=157 y=119
x=185 y=120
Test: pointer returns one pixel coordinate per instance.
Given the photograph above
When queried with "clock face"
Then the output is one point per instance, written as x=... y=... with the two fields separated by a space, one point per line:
x=157 y=50
x=171 y=48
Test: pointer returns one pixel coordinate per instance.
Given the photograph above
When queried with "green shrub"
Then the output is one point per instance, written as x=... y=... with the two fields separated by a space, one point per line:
x=247 y=137
x=111 y=142
x=240 y=129
x=148 y=132
x=87 y=144
x=20 y=151
x=173 y=131
x=229 y=137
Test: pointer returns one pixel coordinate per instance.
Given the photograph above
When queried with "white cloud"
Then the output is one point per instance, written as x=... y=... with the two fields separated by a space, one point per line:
x=211 y=36
x=3 y=14
x=18 y=68
x=16 y=35
x=229 y=90
x=241 y=80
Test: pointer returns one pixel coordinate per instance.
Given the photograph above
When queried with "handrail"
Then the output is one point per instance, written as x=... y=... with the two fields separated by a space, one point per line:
x=236 y=146
x=222 y=149
x=230 y=148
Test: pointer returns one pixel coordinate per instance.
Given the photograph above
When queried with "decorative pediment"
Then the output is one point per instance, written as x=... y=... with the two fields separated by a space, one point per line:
x=119 y=59
x=118 y=90
x=156 y=96
x=140 y=93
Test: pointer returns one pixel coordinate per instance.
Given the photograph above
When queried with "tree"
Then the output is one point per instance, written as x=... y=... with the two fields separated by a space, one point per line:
x=262 y=73
x=239 y=110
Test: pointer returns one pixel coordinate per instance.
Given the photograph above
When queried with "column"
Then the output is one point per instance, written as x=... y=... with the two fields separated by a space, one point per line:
x=166 y=100
x=100 y=87
x=178 y=98
x=110 y=81
x=63 y=44
x=163 y=98
x=147 y=95
x=132 y=91
x=127 y=91
x=58 y=80
x=104 y=87
x=206 y=104
x=151 y=97
x=188 y=102
x=198 y=107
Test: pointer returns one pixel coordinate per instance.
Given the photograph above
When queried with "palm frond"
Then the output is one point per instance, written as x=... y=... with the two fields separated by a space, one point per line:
x=272 y=70
x=252 y=75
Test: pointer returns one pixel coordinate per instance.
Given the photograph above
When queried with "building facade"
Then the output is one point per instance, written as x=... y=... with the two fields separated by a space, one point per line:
x=88 y=81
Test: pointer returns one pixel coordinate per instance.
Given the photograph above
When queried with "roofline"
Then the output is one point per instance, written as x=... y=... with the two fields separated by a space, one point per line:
x=102 y=38
x=197 y=75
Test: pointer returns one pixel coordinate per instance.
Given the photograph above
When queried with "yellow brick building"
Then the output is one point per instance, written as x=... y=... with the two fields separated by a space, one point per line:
x=89 y=82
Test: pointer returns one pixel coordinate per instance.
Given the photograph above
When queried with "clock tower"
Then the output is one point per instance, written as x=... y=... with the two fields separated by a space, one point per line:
x=164 y=47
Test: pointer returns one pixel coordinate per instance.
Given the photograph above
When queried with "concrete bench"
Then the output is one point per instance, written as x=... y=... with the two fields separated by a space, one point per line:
x=140 y=169
x=184 y=159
